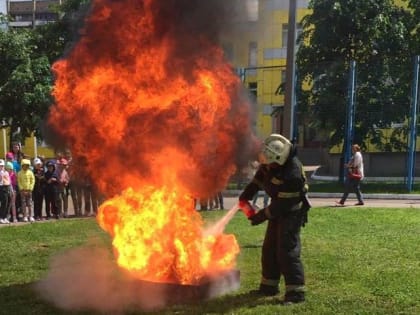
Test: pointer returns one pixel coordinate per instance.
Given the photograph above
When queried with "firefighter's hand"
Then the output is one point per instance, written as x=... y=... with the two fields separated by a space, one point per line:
x=258 y=218
x=246 y=208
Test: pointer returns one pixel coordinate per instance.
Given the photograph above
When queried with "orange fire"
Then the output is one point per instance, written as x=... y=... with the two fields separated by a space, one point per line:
x=155 y=115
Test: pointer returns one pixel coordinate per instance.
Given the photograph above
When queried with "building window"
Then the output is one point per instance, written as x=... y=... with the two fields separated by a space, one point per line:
x=267 y=110
x=253 y=87
x=46 y=16
x=252 y=10
x=23 y=17
x=282 y=86
x=283 y=76
x=252 y=54
x=285 y=35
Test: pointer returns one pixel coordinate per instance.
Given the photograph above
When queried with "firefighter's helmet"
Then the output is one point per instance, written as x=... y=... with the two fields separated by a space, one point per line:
x=277 y=149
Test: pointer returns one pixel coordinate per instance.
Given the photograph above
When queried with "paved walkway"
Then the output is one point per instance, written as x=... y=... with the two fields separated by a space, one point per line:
x=329 y=200
x=317 y=200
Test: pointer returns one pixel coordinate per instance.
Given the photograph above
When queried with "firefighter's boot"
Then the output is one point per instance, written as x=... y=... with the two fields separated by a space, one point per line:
x=266 y=290
x=293 y=297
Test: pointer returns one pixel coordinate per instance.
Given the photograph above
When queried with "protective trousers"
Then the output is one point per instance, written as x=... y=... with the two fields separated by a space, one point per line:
x=4 y=198
x=281 y=252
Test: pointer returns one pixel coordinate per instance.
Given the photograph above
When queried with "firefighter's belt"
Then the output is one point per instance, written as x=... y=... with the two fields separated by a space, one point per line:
x=283 y=194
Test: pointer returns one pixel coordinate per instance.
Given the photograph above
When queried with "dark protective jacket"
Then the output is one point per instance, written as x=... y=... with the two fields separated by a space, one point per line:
x=285 y=184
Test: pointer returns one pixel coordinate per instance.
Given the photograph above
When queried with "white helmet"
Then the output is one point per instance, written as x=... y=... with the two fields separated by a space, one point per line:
x=1 y=162
x=37 y=161
x=277 y=149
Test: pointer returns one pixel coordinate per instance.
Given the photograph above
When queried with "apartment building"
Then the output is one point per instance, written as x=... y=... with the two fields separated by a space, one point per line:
x=29 y=13
x=258 y=50
x=3 y=11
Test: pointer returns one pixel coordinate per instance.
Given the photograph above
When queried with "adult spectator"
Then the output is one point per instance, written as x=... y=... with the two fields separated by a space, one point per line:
x=355 y=175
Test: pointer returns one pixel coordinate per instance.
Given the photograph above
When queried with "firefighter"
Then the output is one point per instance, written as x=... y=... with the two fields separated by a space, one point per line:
x=281 y=176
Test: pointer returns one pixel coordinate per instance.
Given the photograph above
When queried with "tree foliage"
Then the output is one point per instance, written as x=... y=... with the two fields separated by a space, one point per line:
x=26 y=80
x=377 y=35
x=414 y=6
x=54 y=39
x=25 y=83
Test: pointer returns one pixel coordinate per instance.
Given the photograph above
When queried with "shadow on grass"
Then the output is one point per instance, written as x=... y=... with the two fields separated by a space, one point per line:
x=252 y=246
x=23 y=299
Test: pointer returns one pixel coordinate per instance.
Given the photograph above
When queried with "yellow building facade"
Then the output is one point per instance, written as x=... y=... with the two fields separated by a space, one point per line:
x=258 y=48
x=32 y=146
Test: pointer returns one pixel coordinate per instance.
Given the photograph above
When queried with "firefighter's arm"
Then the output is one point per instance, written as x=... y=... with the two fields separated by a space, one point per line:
x=249 y=192
x=260 y=217
x=270 y=212
x=254 y=186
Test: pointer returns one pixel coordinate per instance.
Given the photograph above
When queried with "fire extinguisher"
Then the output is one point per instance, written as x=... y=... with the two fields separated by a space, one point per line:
x=246 y=208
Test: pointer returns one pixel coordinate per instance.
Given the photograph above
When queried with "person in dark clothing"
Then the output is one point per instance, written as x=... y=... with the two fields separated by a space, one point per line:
x=52 y=196
x=282 y=177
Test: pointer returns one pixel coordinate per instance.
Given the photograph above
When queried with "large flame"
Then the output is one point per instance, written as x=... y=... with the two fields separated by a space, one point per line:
x=154 y=113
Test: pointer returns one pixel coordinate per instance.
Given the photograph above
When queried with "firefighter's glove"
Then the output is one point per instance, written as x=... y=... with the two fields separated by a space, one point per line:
x=306 y=205
x=258 y=218
x=304 y=218
x=246 y=208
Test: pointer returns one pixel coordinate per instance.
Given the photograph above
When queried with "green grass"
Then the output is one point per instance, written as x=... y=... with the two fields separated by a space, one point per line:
x=357 y=261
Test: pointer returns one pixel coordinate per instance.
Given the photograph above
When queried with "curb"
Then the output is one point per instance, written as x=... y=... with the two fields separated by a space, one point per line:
x=236 y=193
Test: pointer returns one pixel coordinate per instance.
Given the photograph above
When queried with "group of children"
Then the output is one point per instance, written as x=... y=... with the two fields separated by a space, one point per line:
x=24 y=186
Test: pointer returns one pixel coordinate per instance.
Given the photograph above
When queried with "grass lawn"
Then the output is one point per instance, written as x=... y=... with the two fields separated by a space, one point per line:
x=357 y=261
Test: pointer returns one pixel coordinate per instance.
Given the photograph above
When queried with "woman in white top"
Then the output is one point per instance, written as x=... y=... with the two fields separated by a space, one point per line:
x=356 y=174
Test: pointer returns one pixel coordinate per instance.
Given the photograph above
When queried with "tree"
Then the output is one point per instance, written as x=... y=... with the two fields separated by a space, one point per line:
x=55 y=38
x=25 y=84
x=26 y=80
x=414 y=5
x=375 y=34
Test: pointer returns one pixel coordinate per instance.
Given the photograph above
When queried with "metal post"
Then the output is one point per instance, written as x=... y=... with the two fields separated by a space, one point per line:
x=35 y=147
x=4 y=138
x=33 y=13
x=294 y=121
x=413 y=125
x=289 y=97
x=350 y=113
